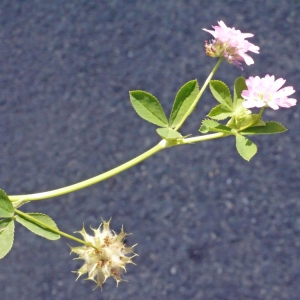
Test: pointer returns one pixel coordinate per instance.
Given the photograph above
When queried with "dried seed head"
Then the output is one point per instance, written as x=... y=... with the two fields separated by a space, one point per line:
x=106 y=255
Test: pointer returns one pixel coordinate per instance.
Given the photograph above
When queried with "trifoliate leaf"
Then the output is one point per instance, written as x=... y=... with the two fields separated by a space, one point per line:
x=221 y=92
x=38 y=228
x=6 y=236
x=183 y=101
x=6 y=207
x=169 y=133
x=148 y=108
x=270 y=127
x=246 y=148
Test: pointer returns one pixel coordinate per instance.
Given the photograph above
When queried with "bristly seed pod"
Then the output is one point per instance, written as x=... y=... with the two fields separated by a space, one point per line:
x=106 y=256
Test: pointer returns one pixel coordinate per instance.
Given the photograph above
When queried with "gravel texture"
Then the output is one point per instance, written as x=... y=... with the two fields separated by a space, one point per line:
x=208 y=224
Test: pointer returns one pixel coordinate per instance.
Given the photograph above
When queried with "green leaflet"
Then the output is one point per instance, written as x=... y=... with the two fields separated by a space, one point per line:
x=213 y=126
x=246 y=148
x=6 y=207
x=6 y=236
x=169 y=133
x=148 y=108
x=4 y=223
x=270 y=127
x=221 y=93
x=220 y=112
x=183 y=101
x=38 y=228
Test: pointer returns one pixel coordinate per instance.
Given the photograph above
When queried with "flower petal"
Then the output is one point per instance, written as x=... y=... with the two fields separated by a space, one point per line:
x=230 y=44
x=266 y=92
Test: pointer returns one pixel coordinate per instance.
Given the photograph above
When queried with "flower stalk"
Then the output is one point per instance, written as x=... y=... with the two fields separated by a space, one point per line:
x=192 y=107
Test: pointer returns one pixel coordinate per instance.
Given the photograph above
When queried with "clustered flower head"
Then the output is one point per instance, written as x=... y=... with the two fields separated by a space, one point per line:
x=230 y=44
x=106 y=255
x=266 y=92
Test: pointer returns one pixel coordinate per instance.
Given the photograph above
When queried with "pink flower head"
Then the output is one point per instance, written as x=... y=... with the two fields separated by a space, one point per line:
x=266 y=92
x=231 y=44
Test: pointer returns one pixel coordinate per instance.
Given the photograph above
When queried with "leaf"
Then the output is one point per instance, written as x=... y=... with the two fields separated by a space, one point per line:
x=213 y=126
x=246 y=148
x=221 y=92
x=37 y=228
x=220 y=112
x=6 y=237
x=183 y=101
x=239 y=87
x=6 y=207
x=169 y=133
x=270 y=127
x=148 y=108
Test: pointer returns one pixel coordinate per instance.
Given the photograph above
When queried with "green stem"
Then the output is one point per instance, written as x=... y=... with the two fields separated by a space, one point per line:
x=206 y=137
x=261 y=111
x=200 y=93
x=88 y=182
x=71 y=188
x=37 y=222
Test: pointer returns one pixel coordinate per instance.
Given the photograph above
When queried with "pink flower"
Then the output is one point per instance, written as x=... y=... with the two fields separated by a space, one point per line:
x=266 y=92
x=230 y=44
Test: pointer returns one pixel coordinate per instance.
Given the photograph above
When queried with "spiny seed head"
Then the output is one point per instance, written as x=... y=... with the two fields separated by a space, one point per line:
x=105 y=256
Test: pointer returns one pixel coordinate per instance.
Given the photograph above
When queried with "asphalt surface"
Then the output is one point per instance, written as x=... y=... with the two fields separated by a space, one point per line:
x=208 y=224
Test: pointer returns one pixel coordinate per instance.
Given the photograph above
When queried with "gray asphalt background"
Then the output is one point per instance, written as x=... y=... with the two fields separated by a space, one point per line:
x=208 y=224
